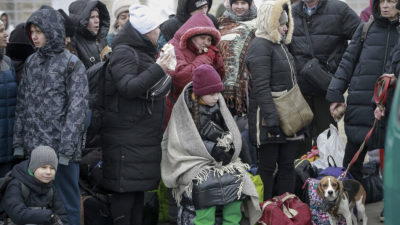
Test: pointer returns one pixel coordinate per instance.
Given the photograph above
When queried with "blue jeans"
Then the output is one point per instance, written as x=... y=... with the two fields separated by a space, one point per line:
x=67 y=185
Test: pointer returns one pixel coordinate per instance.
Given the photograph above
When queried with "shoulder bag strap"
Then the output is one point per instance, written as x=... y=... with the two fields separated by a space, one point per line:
x=307 y=33
x=365 y=31
x=25 y=191
x=70 y=67
x=333 y=54
x=28 y=60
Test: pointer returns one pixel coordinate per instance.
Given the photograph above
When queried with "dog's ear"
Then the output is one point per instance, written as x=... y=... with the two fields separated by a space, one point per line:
x=320 y=190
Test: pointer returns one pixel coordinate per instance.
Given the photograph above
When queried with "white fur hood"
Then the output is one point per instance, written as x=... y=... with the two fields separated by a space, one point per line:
x=268 y=15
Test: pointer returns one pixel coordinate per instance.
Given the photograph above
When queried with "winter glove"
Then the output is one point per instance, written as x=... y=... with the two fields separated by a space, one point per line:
x=273 y=130
x=219 y=154
x=55 y=220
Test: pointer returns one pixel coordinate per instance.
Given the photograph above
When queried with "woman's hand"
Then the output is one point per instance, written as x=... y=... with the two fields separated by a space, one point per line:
x=334 y=105
x=164 y=61
x=379 y=113
x=393 y=79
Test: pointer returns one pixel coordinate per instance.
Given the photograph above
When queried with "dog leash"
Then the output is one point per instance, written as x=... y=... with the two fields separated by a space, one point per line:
x=380 y=94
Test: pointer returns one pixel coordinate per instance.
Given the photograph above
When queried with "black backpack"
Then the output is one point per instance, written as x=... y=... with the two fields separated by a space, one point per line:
x=97 y=75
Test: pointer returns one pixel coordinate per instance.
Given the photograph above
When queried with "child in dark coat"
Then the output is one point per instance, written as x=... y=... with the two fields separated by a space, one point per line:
x=37 y=175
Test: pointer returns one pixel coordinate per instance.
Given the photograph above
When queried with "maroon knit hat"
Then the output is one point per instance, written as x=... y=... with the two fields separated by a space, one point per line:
x=206 y=81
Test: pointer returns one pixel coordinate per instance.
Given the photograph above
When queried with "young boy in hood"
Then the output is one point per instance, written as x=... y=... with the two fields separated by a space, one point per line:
x=52 y=103
x=36 y=175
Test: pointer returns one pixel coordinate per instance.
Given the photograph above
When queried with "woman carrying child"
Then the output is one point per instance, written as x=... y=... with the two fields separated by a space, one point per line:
x=200 y=147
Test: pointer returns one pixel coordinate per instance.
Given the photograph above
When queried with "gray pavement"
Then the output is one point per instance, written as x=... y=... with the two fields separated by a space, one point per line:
x=373 y=211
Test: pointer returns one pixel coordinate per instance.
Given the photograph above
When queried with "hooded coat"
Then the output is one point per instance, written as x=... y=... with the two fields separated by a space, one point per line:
x=130 y=134
x=172 y=25
x=188 y=60
x=9 y=27
x=362 y=64
x=332 y=25
x=269 y=63
x=87 y=45
x=51 y=103
x=17 y=208
x=8 y=97
x=19 y=47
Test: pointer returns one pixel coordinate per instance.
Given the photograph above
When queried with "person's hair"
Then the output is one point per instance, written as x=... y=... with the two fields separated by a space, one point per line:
x=95 y=9
x=196 y=116
x=34 y=26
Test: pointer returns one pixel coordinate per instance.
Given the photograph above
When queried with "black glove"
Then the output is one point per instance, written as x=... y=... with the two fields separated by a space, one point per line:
x=219 y=154
x=55 y=220
x=273 y=130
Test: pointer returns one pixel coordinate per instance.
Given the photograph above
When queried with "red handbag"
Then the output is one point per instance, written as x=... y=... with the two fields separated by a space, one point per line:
x=286 y=209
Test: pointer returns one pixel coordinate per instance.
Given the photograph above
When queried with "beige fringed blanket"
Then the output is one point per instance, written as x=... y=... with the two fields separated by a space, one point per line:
x=184 y=157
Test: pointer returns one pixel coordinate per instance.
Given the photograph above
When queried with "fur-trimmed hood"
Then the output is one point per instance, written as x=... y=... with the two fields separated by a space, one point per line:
x=268 y=15
x=197 y=24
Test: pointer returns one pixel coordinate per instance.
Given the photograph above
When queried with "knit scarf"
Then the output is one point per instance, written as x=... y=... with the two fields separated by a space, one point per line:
x=236 y=38
x=249 y=15
x=185 y=157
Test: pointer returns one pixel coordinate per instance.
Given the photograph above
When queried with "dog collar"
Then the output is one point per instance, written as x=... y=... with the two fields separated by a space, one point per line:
x=332 y=207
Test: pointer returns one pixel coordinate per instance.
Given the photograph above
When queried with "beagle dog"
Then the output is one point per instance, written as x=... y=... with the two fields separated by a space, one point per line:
x=339 y=199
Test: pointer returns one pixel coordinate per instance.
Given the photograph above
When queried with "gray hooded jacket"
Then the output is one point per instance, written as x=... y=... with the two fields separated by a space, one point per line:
x=51 y=109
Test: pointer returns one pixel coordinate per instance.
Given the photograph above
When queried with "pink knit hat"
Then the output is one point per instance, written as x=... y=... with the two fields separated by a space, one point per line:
x=206 y=81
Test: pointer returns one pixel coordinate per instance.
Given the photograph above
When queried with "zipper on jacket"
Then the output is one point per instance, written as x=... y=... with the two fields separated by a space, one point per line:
x=6 y=94
x=387 y=46
x=222 y=190
x=258 y=127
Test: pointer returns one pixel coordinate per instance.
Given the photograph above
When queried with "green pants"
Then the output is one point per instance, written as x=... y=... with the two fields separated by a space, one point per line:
x=231 y=214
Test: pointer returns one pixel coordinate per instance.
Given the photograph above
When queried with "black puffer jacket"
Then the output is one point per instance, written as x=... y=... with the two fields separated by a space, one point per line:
x=18 y=210
x=359 y=69
x=270 y=71
x=269 y=63
x=87 y=45
x=169 y=27
x=333 y=24
x=131 y=136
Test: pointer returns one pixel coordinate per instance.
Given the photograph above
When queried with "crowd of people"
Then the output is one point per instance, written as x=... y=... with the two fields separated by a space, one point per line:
x=219 y=117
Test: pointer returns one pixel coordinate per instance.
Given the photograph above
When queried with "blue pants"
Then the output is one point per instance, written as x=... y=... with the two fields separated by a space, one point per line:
x=67 y=185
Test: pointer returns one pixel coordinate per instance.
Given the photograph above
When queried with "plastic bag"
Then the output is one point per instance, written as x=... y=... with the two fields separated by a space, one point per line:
x=169 y=48
x=330 y=144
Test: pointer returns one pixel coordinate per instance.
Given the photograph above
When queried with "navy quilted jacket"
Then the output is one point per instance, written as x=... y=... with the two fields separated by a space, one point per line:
x=8 y=99
x=362 y=64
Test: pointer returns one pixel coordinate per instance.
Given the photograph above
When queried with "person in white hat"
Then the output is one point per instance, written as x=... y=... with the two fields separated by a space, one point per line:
x=131 y=136
x=120 y=11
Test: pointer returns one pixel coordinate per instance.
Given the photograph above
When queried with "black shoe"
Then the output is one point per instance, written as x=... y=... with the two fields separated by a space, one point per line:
x=382 y=218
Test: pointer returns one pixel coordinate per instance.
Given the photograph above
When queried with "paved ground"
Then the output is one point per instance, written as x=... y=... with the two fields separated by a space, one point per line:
x=373 y=213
